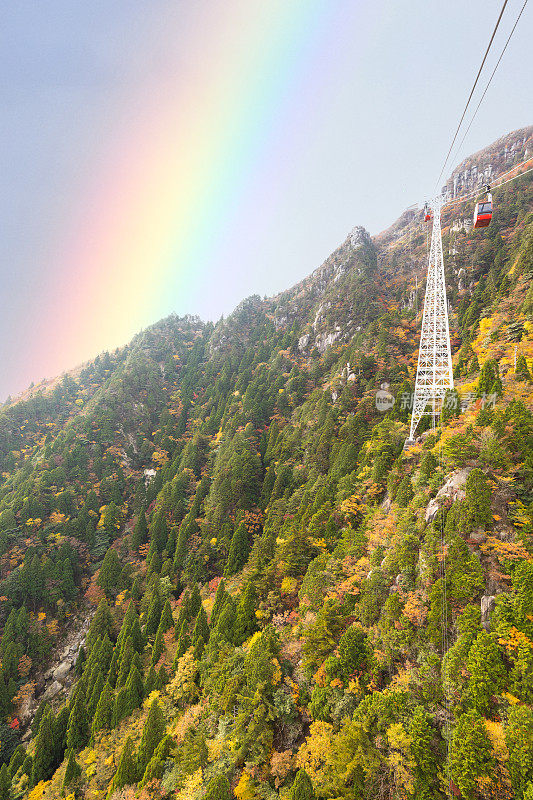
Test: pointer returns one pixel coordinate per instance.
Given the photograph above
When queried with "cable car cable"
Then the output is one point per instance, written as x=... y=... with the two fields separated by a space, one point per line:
x=490 y=79
x=472 y=90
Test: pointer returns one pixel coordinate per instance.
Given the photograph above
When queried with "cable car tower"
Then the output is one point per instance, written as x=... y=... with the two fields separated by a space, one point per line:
x=434 y=375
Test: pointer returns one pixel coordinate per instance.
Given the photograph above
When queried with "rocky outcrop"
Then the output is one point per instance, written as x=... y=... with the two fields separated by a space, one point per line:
x=453 y=489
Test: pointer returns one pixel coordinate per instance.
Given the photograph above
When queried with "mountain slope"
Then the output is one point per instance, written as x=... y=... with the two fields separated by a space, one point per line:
x=287 y=603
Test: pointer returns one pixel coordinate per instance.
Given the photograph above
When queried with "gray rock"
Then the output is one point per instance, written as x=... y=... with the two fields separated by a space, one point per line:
x=52 y=691
x=453 y=489
x=487 y=607
x=61 y=672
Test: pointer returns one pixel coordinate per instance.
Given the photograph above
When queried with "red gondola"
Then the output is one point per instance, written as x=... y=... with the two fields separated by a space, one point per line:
x=483 y=211
x=427 y=213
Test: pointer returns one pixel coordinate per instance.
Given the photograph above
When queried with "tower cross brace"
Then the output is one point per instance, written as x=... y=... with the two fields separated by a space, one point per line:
x=434 y=375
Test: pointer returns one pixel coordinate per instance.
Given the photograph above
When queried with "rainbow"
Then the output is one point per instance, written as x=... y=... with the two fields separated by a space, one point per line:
x=188 y=153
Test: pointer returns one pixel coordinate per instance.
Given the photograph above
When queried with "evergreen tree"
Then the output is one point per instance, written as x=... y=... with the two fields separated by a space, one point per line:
x=104 y=710
x=5 y=783
x=218 y=788
x=78 y=723
x=302 y=788
x=140 y=531
x=220 y=598
x=405 y=492
x=44 y=750
x=522 y=370
x=126 y=657
x=487 y=672
x=245 y=619
x=153 y=732
x=120 y=707
x=151 y=682
x=238 y=551
x=201 y=627
x=109 y=573
x=155 y=767
x=478 y=499
x=167 y=620
x=95 y=695
x=126 y=773
x=134 y=690
x=470 y=753
x=101 y=623
x=193 y=603
x=17 y=759
x=72 y=771
x=158 y=648
x=154 y=615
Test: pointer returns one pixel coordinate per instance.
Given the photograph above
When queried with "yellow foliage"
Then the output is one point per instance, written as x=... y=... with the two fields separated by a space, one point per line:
x=90 y=757
x=192 y=787
x=400 y=759
x=276 y=677
x=497 y=738
x=245 y=788
x=288 y=585
x=38 y=791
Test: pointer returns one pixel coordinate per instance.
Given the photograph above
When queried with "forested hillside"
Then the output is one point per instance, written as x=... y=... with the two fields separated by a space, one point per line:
x=282 y=601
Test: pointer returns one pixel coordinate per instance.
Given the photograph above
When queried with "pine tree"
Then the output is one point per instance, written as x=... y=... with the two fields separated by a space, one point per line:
x=302 y=788
x=153 y=616
x=470 y=753
x=110 y=573
x=126 y=657
x=101 y=623
x=220 y=599
x=238 y=551
x=154 y=770
x=95 y=695
x=72 y=771
x=487 y=672
x=44 y=750
x=201 y=627
x=478 y=498
x=218 y=788
x=5 y=783
x=151 y=682
x=184 y=642
x=158 y=647
x=134 y=690
x=126 y=773
x=153 y=732
x=17 y=759
x=405 y=492
x=522 y=370
x=104 y=710
x=120 y=707
x=193 y=603
x=245 y=619
x=78 y=723
x=167 y=620
x=140 y=531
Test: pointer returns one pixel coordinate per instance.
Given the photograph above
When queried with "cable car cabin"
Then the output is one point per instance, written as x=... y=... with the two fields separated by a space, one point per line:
x=427 y=213
x=483 y=212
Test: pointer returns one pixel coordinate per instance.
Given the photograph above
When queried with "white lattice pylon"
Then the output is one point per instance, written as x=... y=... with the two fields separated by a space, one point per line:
x=434 y=373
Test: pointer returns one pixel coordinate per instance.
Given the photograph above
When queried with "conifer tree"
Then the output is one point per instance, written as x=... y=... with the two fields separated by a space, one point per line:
x=302 y=788
x=5 y=783
x=478 y=498
x=405 y=492
x=101 y=623
x=126 y=657
x=522 y=370
x=134 y=690
x=153 y=732
x=44 y=750
x=470 y=753
x=220 y=599
x=487 y=671
x=126 y=773
x=151 y=682
x=184 y=642
x=245 y=619
x=140 y=531
x=238 y=551
x=154 y=615
x=154 y=770
x=201 y=627
x=72 y=771
x=95 y=695
x=104 y=710
x=158 y=647
x=17 y=759
x=120 y=707
x=218 y=788
x=78 y=723
x=193 y=603
x=110 y=573
x=167 y=620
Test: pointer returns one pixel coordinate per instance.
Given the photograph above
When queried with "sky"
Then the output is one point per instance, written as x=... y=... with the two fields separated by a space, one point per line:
x=176 y=156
